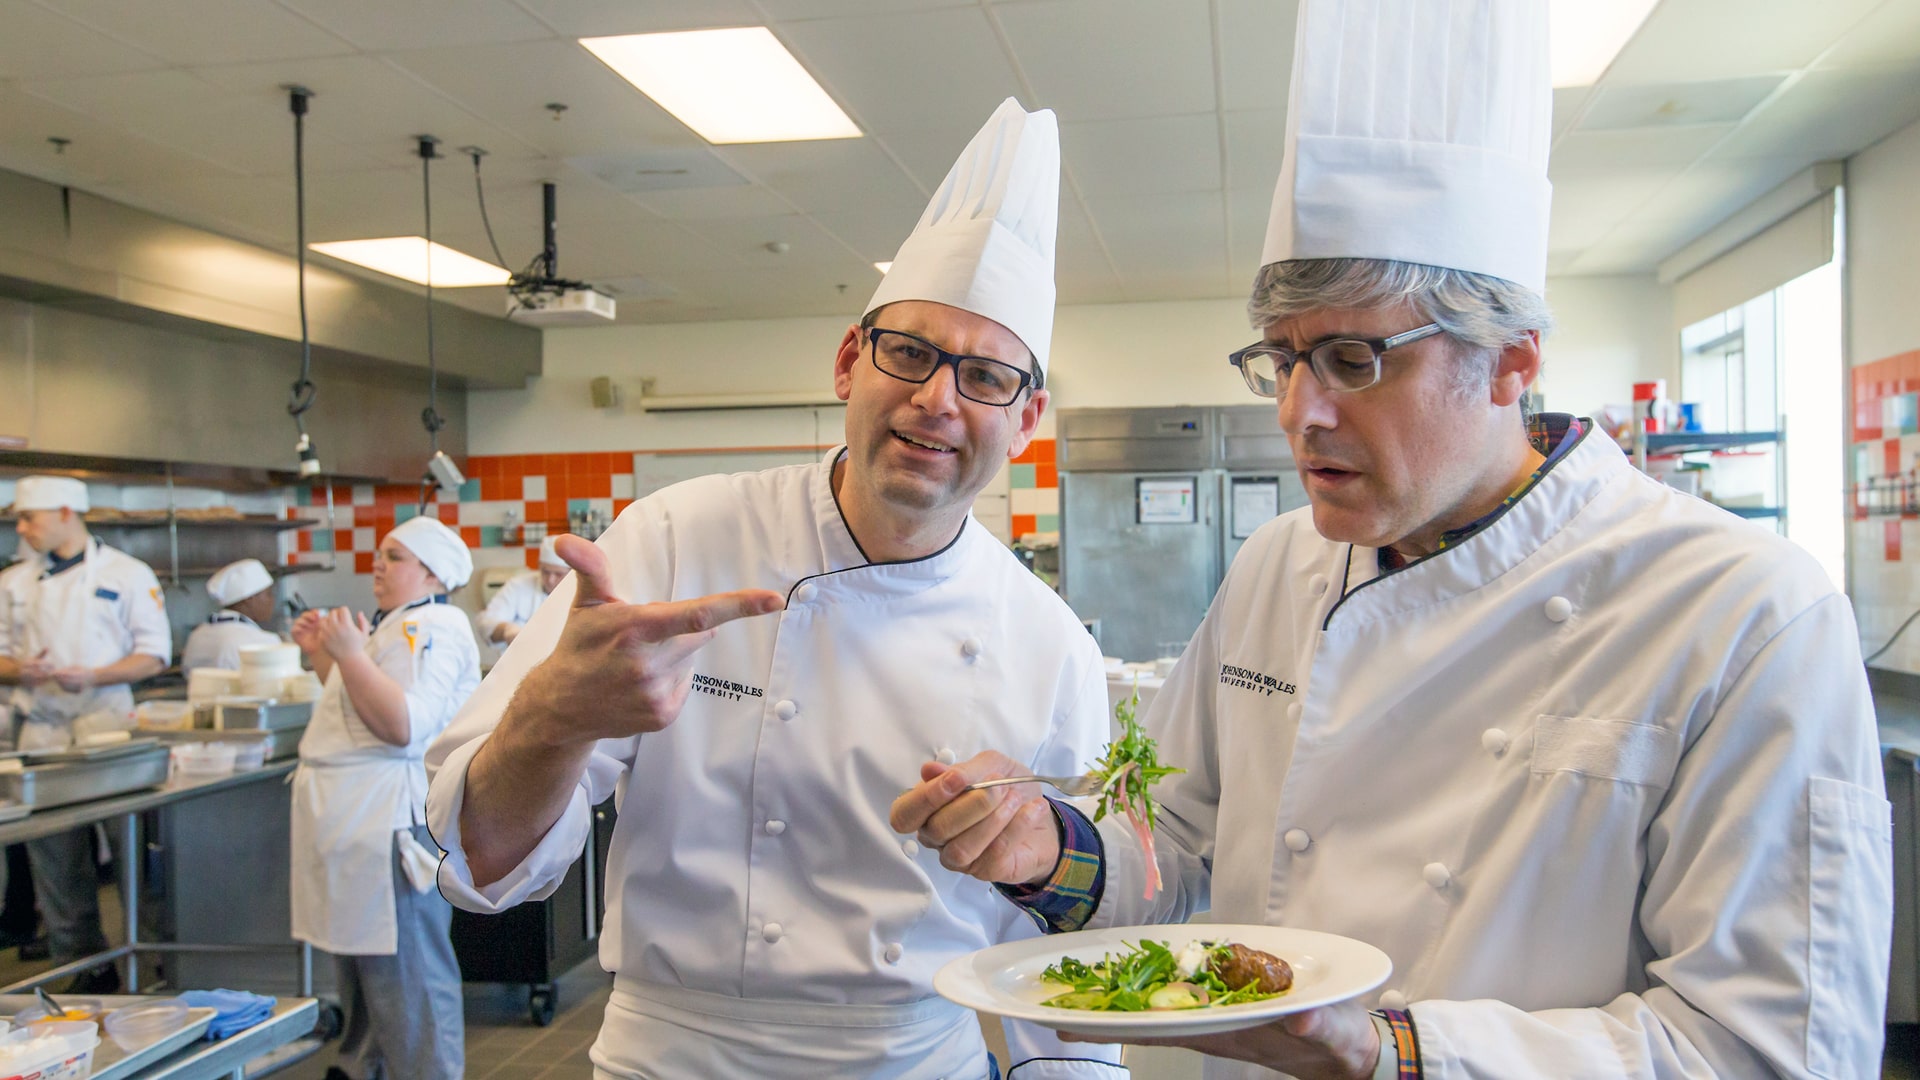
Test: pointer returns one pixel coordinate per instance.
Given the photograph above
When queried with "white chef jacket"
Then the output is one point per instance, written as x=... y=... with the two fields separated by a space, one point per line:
x=1602 y=779
x=353 y=790
x=217 y=642
x=515 y=603
x=99 y=612
x=763 y=917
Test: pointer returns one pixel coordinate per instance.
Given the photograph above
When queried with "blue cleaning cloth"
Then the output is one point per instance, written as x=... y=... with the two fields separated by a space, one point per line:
x=237 y=1009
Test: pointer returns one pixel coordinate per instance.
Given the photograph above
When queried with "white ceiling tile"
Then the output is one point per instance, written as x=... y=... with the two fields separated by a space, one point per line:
x=783 y=10
x=1256 y=141
x=368 y=103
x=1081 y=267
x=421 y=24
x=1109 y=59
x=1889 y=36
x=1719 y=101
x=1568 y=105
x=694 y=204
x=882 y=70
x=1709 y=192
x=39 y=44
x=219 y=31
x=1692 y=40
x=604 y=18
x=1582 y=153
x=1586 y=208
x=928 y=154
x=876 y=234
x=1155 y=156
x=827 y=175
x=745 y=240
x=1256 y=52
x=1163 y=234
x=176 y=109
x=1829 y=114
x=1247 y=215
x=604 y=114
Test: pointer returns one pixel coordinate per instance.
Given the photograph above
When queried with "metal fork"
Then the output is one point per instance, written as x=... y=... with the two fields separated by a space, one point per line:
x=1073 y=787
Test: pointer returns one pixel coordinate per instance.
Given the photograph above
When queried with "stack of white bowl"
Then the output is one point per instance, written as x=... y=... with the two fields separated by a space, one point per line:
x=205 y=684
x=265 y=669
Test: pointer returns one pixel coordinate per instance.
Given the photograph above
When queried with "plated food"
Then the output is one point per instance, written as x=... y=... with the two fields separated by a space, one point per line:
x=1011 y=980
x=1131 y=766
x=1150 y=975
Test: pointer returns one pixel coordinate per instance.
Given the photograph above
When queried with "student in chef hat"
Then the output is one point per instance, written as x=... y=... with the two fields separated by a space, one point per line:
x=891 y=600
x=1591 y=761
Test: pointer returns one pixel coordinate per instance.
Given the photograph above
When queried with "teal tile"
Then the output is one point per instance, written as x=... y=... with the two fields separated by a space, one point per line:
x=403 y=512
x=490 y=536
x=579 y=506
x=1046 y=522
x=323 y=539
x=303 y=495
x=470 y=491
x=1022 y=476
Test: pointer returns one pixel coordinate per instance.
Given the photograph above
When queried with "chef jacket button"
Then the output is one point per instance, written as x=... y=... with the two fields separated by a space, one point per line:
x=805 y=592
x=945 y=755
x=775 y=828
x=894 y=952
x=784 y=709
x=909 y=848
x=1393 y=999
x=1437 y=875
x=971 y=647
x=1318 y=583
x=1494 y=740
x=1293 y=712
x=1558 y=608
x=771 y=932
x=1297 y=839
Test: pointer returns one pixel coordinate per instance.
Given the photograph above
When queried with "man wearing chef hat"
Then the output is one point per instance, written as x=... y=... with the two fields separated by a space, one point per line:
x=1592 y=761
x=244 y=592
x=762 y=661
x=507 y=613
x=79 y=621
x=363 y=861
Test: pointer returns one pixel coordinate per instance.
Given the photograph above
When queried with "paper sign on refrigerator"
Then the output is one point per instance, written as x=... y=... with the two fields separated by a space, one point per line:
x=1166 y=501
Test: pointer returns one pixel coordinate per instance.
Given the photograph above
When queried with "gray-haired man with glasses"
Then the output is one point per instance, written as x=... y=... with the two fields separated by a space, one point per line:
x=1592 y=761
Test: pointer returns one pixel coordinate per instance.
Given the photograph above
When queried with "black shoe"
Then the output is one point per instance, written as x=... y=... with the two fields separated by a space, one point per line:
x=37 y=949
x=104 y=979
x=10 y=938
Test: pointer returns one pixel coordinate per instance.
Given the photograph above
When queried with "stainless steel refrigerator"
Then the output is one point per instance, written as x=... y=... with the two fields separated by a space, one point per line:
x=1154 y=506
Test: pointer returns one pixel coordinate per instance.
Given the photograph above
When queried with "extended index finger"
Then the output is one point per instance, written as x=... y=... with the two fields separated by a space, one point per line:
x=676 y=617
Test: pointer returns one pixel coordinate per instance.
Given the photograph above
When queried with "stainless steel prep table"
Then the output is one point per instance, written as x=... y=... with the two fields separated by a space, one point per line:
x=126 y=810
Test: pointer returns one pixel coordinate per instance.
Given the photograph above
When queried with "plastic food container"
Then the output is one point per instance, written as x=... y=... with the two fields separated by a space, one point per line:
x=202 y=760
x=54 y=1050
x=78 y=1010
x=251 y=754
x=144 y=1024
x=205 y=684
x=164 y=715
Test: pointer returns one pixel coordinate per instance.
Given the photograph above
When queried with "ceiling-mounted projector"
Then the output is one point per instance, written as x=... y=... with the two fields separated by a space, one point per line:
x=541 y=297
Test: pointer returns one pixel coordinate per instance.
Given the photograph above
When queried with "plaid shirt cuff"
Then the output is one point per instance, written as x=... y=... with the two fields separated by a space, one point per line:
x=1399 y=1046
x=1066 y=900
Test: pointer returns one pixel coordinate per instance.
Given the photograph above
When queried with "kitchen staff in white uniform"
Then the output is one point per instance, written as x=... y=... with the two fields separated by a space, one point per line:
x=79 y=621
x=510 y=609
x=763 y=918
x=1593 y=761
x=244 y=592
x=363 y=861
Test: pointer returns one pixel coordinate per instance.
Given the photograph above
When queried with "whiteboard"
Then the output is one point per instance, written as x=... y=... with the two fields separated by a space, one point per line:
x=651 y=472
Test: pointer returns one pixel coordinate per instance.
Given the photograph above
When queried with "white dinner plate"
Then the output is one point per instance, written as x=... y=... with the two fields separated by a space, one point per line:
x=1005 y=980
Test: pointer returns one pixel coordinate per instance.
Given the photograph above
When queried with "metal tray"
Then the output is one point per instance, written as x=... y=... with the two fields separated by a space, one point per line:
x=266 y=716
x=112 y=1063
x=89 y=753
x=281 y=742
x=44 y=786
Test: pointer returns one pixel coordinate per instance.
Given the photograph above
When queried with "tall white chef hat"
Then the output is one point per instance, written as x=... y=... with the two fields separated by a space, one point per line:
x=985 y=243
x=549 y=556
x=1417 y=131
x=236 y=581
x=50 y=493
x=438 y=548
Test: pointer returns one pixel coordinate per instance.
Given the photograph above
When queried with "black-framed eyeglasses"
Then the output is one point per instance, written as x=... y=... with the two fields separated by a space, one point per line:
x=1341 y=364
x=978 y=378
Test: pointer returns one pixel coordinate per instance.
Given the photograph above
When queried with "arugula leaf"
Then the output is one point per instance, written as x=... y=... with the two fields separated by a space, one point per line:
x=1126 y=982
x=1131 y=766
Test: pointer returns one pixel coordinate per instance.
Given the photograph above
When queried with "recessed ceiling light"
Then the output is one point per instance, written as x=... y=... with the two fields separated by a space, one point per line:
x=730 y=86
x=883 y=267
x=408 y=257
x=1586 y=36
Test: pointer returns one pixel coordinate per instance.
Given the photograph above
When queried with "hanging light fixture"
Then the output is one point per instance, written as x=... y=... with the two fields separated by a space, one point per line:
x=441 y=469
x=301 y=398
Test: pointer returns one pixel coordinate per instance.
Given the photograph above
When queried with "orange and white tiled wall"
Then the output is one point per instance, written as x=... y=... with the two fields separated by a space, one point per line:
x=1885 y=437
x=549 y=488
